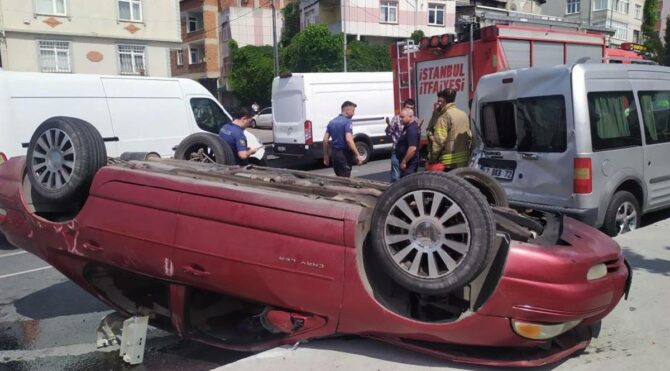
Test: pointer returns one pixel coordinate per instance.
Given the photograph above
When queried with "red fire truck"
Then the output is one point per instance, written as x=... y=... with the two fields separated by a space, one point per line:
x=420 y=71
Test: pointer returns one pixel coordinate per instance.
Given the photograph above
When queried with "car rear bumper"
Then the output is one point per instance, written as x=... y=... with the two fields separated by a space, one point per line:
x=314 y=150
x=586 y=216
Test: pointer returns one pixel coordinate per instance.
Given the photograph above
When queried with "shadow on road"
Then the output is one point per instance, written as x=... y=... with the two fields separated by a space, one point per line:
x=655 y=265
x=61 y=299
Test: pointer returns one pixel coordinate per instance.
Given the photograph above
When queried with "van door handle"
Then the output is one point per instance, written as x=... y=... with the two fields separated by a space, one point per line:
x=529 y=156
x=196 y=270
x=92 y=246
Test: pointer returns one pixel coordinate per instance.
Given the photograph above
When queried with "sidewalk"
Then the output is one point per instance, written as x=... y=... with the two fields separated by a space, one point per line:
x=635 y=336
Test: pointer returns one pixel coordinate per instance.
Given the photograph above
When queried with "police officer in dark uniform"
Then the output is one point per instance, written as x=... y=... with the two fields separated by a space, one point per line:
x=233 y=134
x=344 y=153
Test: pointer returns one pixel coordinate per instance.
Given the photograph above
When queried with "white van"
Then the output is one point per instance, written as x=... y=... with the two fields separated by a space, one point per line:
x=133 y=114
x=304 y=103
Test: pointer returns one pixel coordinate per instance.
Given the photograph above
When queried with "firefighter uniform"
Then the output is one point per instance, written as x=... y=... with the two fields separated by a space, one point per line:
x=451 y=137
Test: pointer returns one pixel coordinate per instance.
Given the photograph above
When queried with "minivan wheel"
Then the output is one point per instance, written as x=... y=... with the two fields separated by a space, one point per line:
x=205 y=147
x=64 y=154
x=432 y=233
x=364 y=150
x=623 y=214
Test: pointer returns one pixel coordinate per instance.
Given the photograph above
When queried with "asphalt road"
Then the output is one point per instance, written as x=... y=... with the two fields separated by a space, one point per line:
x=48 y=323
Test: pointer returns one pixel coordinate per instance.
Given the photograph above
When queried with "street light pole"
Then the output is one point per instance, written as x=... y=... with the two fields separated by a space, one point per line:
x=344 y=33
x=275 y=49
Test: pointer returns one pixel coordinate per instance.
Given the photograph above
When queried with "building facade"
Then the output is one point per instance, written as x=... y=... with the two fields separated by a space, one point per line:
x=622 y=16
x=524 y=6
x=112 y=37
x=381 y=21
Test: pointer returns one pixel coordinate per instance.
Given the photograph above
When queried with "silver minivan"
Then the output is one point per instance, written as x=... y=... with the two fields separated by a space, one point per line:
x=589 y=140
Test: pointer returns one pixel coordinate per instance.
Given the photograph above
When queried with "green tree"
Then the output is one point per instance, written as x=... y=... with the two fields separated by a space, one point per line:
x=252 y=73
x=417 y=36
x=291 y=26
x=666 y=41
x=364 y=57
x=314 y=49
x=650 y=20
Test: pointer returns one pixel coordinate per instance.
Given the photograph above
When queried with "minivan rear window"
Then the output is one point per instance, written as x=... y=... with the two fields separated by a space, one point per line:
x=536 y=124
x=614 y=120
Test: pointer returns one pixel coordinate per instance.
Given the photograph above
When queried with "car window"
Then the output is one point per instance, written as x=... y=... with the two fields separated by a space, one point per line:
x=266 y=111
x=656 y=115
x=614 y=120
x=541 y=124
x=498 y=125
x=208 y=115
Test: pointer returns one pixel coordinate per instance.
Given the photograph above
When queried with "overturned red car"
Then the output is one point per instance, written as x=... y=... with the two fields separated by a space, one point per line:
x=251 y=258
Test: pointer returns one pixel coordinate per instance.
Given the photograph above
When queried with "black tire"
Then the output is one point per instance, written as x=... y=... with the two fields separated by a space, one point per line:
x=622 y=201
x=492 y=190
x=256 y=162
x=205 y=147
x=469 y=227
x=364 y=150
x=77 y=151
x=253 y=123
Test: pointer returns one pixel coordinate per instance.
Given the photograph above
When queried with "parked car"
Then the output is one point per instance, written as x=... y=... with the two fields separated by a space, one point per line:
x=263 y=119
x=249 y=258
x=588 y=140
x=131 y=113
x=304 y=103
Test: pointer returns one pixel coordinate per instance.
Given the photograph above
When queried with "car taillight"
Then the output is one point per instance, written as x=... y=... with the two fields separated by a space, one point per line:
x=583 y=177
x=309 y=139
x=3 y=157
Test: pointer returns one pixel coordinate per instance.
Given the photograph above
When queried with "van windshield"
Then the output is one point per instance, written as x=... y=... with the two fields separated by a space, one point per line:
x=208 y=115
x=536 y=124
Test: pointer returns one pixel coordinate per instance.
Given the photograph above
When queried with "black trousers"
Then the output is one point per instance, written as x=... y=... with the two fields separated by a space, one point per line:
x=342 y=161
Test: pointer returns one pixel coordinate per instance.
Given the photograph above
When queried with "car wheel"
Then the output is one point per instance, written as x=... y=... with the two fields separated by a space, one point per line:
x=364 y=150
x=432 y=232
x=623 y=214
x=492 y=190
x=64 y=154
x=253 y=123
x=205 y=147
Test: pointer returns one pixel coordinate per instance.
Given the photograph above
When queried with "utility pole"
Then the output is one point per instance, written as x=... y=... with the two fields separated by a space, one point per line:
x=275 y=49
x=344 y=33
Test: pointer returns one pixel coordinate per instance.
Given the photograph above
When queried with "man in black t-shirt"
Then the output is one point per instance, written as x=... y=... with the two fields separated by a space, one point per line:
x=407 y=147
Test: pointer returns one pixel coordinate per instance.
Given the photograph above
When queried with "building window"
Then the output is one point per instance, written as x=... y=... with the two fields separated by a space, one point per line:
x=180 y=57
x=310 y=17
x=600 y=4
x=621 y=6
x=55 y=56
x=196 y=54
x=195 y=22
x=435 y=14
x=51 y=7
x=638 y=11
x=389 y=11
x=620 y=28
x=573 y=6
x=131 y=59
x=636 y=37
x=130 y=10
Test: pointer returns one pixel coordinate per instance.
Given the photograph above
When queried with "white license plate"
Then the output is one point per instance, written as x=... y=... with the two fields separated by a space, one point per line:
x=506 y=174
x=281 y=149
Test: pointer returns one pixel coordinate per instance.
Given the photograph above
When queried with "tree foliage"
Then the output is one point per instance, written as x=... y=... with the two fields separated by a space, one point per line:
x=364 y=57
x=652 y=40
x=666 y=41
x=252 y=73
x=417 y=36
x=314 y=49
x=291 y=26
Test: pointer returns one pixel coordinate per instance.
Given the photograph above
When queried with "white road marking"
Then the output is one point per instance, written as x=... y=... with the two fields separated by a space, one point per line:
x=24 y=272
x=13 y=254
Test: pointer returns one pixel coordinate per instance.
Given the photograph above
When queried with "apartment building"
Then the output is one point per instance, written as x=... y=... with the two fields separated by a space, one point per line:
x=622 y=16
x=381 y=21
x=665 y=12
x=126 y=37
x=523 y=6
